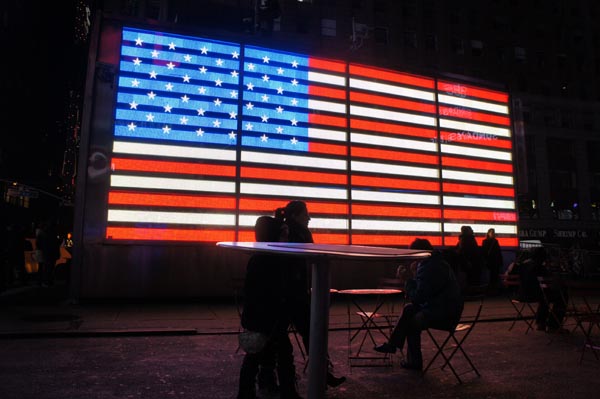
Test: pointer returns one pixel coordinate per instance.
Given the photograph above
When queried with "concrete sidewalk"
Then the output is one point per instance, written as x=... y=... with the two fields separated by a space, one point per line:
x=189 y=350
x=31 y=310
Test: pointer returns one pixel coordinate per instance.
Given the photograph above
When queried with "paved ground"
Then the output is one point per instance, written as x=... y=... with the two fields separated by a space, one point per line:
x=51 y=348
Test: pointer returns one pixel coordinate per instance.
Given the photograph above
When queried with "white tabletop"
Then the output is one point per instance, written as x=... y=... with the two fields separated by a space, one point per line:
x=330 y=250
x=319 y=315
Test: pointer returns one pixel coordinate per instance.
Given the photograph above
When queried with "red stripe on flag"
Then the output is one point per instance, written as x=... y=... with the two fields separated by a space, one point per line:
x=396 y=240
x=496 y=216
x=395 y=77
x=389 y=182
x=461 y=90
x=326 y=92
x=477 y=189
x=334 y=66
x=323 y=148
x=170 y=200
x=489 y=141
x=319 y=119
x=329 y=238
x=472 y=164
x=161 y=234
x=292 y=175
x=474 y=116
x=189 y=168
x=393 y=155
x=246 y=235
x=393 y=128
x=396 y=211
x=316 y=207
x=507 y=242
x=392 y=102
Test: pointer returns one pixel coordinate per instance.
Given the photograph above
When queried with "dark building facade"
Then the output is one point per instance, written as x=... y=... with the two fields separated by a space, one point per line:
x=545 y=53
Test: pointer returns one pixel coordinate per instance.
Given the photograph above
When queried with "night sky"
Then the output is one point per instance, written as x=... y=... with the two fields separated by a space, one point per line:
x=42 y=65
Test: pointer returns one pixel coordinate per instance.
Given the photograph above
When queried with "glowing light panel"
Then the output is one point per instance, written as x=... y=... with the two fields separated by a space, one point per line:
x=209 y=135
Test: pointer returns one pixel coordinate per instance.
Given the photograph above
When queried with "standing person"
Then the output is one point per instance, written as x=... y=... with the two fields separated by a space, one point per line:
x=490 y=248
x=469 y=258
x=296 y=217
x=265 y=311
x=47 y=251
x=435 y=301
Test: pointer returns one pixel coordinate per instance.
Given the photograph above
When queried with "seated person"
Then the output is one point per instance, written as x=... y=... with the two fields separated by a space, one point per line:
x=435 y=301
x=551 y=308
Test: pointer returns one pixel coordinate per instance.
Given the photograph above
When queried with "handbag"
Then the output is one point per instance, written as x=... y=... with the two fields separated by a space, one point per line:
x=252 y=341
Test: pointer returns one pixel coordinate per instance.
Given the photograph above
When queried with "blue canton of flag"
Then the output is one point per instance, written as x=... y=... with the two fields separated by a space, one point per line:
x=177 y=88
x=275 y=100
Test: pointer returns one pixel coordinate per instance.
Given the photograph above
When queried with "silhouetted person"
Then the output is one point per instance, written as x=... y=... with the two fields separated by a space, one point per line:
x=435 y=301
x=47 y=251
x=265 y=310
x=492 y=254
x=296 y=217
x=469 y=257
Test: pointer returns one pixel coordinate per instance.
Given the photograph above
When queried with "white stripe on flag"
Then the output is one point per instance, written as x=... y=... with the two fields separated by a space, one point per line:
x=385 y=196
x=392 y=142
x=164 y=183
x=390 y=225
x=325 y=134
x=389 y=89
x=179 y=151
x=391 y=169
x=293 y=191
x=481 y=228
x=145 y=216
x=293 y=160
x=320 y=223
x=477 y=177
x=391 y=115
x=338 y=108
x=478 y=202
x=476 y=152
x=326 y=78
x=465 y=102
x=474 y=127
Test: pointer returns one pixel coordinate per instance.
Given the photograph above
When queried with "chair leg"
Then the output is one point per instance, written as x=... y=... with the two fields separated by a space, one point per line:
x=447 y=360
x=299 y=343
x=588 y=342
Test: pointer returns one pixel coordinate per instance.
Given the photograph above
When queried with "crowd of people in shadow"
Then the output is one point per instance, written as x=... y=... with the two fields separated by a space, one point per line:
x=43 y=241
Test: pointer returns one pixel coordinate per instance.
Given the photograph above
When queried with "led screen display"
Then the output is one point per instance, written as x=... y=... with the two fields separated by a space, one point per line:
x=209 y=135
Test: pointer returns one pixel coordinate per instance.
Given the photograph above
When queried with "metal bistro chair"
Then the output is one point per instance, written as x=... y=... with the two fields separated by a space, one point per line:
x=584 y=297
x=372 y=320
x=554 y=298
x=454 y=343
x=525 y=311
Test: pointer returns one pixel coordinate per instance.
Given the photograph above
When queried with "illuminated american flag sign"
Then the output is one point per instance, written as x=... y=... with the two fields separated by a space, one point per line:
x=209 y=135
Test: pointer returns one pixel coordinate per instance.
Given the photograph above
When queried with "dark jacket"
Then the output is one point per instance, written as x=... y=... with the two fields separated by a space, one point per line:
x=436 y=291
x=490 y=248
x=264 y=308
x=297 y=270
